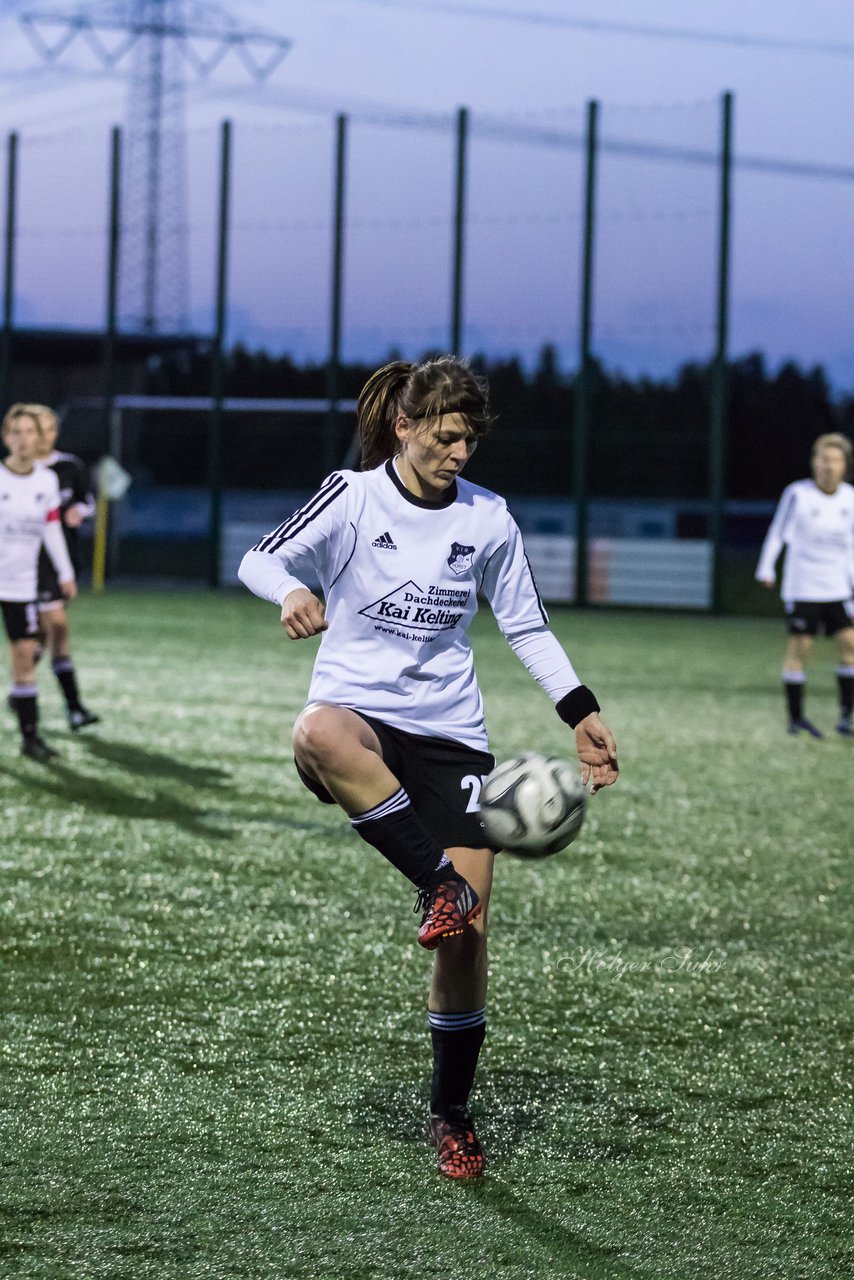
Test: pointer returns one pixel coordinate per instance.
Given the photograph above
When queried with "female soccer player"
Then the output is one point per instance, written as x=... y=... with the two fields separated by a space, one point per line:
x=815 y=522
x=76 y=505
x=29 y=516
x=393 y=731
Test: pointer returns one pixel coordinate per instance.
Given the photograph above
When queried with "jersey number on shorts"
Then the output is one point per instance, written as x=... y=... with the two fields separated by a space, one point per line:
x=473 y=784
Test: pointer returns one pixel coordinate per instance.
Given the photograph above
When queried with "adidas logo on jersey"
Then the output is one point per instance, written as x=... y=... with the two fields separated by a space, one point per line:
x=386 y=541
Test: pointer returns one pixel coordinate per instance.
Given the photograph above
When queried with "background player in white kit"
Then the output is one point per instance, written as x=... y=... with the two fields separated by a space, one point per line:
x=393 y=730
x=29 y=516
x=77 y=504
x=814 y=521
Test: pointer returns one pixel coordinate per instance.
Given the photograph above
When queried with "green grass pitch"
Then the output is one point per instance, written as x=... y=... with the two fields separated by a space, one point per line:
x=214 y=1056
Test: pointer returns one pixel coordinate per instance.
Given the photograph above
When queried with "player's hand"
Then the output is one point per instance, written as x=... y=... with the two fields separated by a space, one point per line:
x=767 y=582
x=597 y=752
x=68 y=589
x=73 y=518
x=302 y=615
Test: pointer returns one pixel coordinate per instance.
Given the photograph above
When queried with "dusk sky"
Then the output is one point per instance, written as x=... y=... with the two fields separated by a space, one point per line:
x=525 y=68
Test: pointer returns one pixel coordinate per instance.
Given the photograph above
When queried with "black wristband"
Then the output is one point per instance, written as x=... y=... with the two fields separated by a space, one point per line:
x=575 y=705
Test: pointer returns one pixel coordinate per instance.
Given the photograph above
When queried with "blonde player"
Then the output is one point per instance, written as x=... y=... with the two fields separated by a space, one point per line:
x=29 y=518
x=815 y=523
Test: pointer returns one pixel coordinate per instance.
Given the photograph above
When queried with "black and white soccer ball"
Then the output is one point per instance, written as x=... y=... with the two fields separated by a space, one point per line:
x=532 y=805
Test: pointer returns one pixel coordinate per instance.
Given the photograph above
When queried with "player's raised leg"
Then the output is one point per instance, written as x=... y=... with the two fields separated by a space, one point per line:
x=457 y=1019
x=337 y=749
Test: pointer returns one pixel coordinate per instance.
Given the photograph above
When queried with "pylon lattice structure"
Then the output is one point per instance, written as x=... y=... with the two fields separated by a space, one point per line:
x=165 y=39
x=153 y=281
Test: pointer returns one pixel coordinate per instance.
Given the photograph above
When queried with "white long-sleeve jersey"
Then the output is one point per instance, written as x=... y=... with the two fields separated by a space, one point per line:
x=817 y=530
x=401 y=577
x=29 y=517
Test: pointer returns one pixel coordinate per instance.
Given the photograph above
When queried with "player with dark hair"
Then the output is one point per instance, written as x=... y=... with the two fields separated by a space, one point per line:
x=393 y=730
x=76 y=505
x=29 y=517
x=814 y=521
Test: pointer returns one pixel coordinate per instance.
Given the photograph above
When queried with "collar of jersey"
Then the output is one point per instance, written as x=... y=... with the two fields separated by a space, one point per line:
x=450 y=492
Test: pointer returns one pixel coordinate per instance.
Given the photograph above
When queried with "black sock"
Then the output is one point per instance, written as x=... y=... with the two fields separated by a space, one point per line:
x=793 y=684
x=457 y=1038
x=63 y=669
x=395 y=829
x=845 y=680
x=24 y=702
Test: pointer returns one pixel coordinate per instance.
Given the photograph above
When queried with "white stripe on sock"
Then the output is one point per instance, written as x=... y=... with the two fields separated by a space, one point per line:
x=457 y=1021
x=393 y=804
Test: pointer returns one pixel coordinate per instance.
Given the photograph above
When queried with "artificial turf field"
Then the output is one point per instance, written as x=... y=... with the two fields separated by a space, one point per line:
x=214 y=1052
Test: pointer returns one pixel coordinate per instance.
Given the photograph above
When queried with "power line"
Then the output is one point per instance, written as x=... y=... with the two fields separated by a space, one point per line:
x=461 y=8
x=508 y=130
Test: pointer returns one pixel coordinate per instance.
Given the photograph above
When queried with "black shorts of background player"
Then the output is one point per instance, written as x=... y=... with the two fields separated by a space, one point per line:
x=78 y=505
x=393 y=729
x=814 y=521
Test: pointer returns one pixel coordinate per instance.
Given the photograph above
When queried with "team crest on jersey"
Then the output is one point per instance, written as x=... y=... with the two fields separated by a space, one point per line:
x=459 y=561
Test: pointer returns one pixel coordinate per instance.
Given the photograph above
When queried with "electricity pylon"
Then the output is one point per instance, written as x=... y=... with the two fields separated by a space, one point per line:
x=165 y=40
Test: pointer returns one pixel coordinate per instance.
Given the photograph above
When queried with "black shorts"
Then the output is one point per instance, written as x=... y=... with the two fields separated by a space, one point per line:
x=50 y=592
x=442 y=779
x=21 y=619
x=812 y=617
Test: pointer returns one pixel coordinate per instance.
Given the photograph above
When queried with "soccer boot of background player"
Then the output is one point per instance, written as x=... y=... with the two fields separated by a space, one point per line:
x=449 y=904
x=37 y=749
x=805 y=726
x=80 y=717
x=845 y=726
x=458 y=1152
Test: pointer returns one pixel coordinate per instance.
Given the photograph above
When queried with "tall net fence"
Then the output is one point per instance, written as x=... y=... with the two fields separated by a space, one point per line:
x=519 y=280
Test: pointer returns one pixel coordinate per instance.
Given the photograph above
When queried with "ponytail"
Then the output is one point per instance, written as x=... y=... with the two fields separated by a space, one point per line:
x=377 y=410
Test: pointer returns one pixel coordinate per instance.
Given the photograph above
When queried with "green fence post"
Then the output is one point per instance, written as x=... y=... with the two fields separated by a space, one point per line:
x=459 y=231
x=108 y=370
x=718 y=397
x=333 y=365
x=9 y=268
x=581 y=443
x=218 y=360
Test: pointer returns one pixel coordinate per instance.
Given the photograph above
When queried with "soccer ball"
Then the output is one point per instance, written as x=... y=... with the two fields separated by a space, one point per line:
x=532 y=806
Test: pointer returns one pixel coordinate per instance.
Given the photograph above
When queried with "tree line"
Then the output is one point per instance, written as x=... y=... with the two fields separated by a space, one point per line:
x=649 y=437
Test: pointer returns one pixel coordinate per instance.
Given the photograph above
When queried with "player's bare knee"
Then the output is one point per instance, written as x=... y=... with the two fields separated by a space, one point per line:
x=58 y=639
x=24 y=661
x=321 y=736
x=798 y=652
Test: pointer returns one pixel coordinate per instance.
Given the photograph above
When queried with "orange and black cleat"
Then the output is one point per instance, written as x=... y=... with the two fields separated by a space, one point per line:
x=458 y=1152
x=448 y=906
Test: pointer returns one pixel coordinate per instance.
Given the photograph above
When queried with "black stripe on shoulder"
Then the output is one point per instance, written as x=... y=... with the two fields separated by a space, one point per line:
x=268 y=537
x=326 y=494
